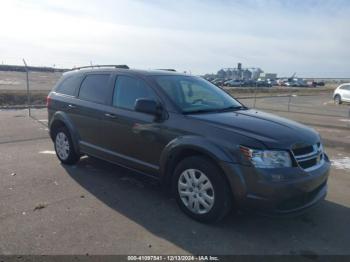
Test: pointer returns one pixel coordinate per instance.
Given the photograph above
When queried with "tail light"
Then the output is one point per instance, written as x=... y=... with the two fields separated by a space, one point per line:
x=48 y=101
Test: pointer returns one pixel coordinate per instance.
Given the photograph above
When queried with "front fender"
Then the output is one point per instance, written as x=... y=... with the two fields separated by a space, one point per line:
x=66 y=120
x=199 y=144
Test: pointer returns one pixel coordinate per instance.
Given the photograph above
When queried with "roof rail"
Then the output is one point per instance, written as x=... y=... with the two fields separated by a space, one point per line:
x=169 y=69
x=99 y=66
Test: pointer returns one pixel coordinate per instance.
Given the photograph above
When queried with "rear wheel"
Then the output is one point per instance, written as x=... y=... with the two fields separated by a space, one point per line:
x=337 y=100
x=64 y=147
x=201 y=190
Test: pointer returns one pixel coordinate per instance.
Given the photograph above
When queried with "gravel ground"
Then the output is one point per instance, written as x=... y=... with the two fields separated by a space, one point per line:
x=99 y=208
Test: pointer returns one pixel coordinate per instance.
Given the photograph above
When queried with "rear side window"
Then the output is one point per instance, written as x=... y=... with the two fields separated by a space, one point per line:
x=95 y=88
x=69 y=86
x=128 y=89
x=346 y=87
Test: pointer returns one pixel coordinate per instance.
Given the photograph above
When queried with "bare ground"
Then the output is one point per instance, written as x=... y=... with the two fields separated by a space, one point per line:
x=13 y=88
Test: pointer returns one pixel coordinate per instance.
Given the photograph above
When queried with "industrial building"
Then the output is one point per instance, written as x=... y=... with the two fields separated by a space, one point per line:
x=240 y=73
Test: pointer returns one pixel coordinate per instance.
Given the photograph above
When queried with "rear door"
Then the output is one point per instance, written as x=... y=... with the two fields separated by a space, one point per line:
x=64 y=95
x=88 y=112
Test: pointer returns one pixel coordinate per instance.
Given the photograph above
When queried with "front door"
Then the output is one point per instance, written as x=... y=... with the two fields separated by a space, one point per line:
x=346 y=93
x=135 y=138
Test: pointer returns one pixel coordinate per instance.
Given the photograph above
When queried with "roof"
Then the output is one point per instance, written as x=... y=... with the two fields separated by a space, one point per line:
x=131 y=71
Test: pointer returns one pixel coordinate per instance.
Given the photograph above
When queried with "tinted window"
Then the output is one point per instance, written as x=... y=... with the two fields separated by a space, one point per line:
x=345 y=87
x=95 y=88
x=128 y=89
x=69 y=86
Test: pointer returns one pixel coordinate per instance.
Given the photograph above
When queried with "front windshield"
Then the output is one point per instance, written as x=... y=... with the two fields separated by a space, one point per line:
x=196 y=95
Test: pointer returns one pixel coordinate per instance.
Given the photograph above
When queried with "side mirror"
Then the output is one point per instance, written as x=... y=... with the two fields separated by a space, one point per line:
x=148 y=106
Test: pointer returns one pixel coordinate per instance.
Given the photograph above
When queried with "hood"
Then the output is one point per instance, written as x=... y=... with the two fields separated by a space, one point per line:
x=273 y=131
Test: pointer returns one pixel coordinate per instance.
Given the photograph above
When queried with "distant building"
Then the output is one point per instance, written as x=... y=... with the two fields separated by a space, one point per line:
x=246 y=74
x=239 y=73
x=256 y=72
x=265 y=76
x=221 y=73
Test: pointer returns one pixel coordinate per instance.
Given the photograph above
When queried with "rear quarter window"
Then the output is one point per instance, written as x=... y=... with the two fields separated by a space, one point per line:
x=69 y=86
x=94 y=88
x=345 y=87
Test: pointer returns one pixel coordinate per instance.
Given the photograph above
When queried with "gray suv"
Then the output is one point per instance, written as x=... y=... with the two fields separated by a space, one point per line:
x=211 y=151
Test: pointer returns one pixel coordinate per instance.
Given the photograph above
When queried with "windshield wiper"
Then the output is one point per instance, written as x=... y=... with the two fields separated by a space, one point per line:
x=215 y=110
x=200 y=111
x=232 y=108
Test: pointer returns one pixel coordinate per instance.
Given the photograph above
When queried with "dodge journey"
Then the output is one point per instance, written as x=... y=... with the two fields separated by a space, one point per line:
x=212 y=152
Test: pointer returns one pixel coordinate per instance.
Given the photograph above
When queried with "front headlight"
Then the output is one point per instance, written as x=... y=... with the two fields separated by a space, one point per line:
x=267 y=158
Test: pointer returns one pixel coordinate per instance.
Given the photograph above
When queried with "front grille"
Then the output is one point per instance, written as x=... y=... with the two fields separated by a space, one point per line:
x=308 y=163
x=309 y=157
x=303 y=150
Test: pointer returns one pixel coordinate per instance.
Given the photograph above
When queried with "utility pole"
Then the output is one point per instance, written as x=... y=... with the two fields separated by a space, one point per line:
x=28 y=93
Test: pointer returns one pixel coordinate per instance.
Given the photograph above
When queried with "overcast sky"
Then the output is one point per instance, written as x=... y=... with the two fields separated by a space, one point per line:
x=311 y=37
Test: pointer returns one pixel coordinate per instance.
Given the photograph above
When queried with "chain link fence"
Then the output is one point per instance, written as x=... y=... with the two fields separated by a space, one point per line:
x=29 y=88
x=321 y=104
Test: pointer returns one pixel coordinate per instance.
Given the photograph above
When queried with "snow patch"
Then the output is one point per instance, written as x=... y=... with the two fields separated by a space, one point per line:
x=47 y=152
x=341 y=163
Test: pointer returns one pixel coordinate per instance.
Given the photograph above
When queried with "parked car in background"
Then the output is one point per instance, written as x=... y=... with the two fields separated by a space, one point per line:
x=262 y=83
x=218 y=82
x=301 y=83
x=312 y=83
x=342 y=93
x=272 y=82
x=226 y=82
x=235 y=83
x=295 y=83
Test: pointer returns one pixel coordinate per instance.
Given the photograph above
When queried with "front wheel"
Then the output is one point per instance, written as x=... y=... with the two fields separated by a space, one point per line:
x=201 y=190
x=64 y=147
x=337 y=100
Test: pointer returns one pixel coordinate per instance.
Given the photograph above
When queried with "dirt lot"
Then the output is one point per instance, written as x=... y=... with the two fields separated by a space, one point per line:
x=99 y=208
x=11 y=81
x=13 y=88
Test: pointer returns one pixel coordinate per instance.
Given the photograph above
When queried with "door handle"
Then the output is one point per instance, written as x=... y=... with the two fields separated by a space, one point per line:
x=71 y=106
x=110 y=115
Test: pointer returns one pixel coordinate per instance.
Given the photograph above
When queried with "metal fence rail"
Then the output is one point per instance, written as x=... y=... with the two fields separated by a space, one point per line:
x=291 y=102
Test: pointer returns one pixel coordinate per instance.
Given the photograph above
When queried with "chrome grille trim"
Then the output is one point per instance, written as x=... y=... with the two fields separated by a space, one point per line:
x=317 y=155
x=316 y=166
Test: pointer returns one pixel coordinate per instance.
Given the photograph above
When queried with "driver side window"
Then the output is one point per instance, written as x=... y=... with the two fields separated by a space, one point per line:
x=128 y=89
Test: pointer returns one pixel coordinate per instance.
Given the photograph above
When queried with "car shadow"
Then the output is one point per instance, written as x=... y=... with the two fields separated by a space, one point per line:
x=322 y=230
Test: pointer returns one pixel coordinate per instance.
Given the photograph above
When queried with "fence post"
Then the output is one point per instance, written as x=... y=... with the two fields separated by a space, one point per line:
x=289 y=100
x=256 y=87
x=28 y=93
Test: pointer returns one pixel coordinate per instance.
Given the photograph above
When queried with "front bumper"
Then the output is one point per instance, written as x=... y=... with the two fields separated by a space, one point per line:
x=277 y=191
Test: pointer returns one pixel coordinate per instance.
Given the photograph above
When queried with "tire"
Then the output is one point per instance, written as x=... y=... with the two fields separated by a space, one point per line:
x=64 y=147
x=213 y=189
x=337 y=99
